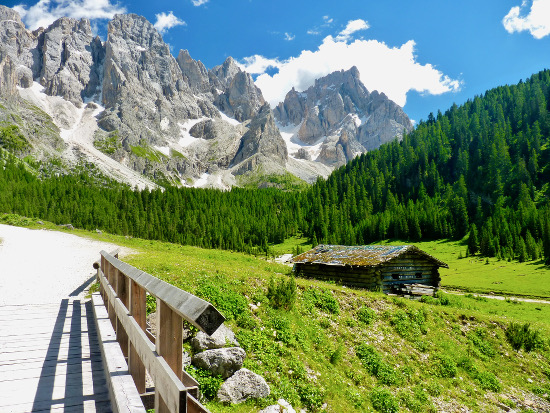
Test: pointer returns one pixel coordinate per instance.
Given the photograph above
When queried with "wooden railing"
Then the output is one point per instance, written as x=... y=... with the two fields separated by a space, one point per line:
x=123 y=289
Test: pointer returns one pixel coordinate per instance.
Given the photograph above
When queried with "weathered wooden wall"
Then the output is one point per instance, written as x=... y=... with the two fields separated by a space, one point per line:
x=407 y=269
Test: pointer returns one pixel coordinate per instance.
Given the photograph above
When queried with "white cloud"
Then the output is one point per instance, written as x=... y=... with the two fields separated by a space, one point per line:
x=45 y=12
x=289 y=36
x=353 y=26
x=391 y=70
x=314 y=32
x=199 y=2
x=327 y=20
x=167 y=21
x=537 y=22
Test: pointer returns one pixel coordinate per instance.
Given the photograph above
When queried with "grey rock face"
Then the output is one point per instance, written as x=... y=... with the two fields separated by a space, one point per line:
x=263 y=140
x=340 y=103
x=222 y=337
x=8 y=76
x=20 y=45
x=68 y=67
x=222 y=361
x=234 y=91
x=243 y=385
x=143 y=85
x=194 y=72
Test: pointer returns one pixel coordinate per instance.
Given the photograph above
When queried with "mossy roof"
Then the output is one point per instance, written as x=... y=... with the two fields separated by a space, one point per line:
x=360 y=256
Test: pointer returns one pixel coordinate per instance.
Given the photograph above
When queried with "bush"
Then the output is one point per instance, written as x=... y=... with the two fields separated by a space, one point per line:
x=372 y=361
x=445 y=366
x=488 y=381
x=337 y=355
x=229 y=302
x=150 y=303
x=208 y=384
x=369 y=357
x=383 y=401
x=366 y=315
x=522 y=336
x=282 y=294
x=322 y=299
x=409 y=325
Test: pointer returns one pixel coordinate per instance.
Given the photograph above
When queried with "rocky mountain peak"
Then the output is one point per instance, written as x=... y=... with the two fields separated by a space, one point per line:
x=340 y=102
x=226 y=71
x=9 y=14
x=194 y=72
x=261 y=144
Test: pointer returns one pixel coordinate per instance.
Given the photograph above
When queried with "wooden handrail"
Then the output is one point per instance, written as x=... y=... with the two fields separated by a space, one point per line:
x=123 y=289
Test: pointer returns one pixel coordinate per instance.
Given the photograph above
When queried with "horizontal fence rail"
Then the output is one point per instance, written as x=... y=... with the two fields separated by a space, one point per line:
x=124 y=289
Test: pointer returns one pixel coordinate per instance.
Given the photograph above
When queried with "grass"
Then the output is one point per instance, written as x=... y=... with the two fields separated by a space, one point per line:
x=399 y=355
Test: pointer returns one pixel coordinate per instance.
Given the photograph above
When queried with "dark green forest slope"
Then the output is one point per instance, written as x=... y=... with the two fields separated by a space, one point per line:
x=481 y=168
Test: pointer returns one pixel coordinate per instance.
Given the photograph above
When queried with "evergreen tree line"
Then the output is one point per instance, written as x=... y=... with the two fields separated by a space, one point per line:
x=480 y=169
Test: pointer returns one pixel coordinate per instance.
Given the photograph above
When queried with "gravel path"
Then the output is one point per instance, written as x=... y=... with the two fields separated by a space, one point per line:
x=40 y=266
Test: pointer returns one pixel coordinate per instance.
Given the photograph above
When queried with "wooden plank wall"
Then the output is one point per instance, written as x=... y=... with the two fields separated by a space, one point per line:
x=407 y=269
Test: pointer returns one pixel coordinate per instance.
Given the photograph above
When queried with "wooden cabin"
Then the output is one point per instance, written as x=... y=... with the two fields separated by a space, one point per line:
x=401 y=269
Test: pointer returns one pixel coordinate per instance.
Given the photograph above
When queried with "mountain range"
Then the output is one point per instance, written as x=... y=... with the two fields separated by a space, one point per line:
x=131 y=109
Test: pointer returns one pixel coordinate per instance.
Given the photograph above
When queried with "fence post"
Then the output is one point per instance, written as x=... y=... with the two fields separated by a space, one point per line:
x=121 y=289
x=138 y=310
x=169 y=346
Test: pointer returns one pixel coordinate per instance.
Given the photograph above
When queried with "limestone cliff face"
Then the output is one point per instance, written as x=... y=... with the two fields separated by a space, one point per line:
x=344 y=115
x=20 y=46
x=261 y=144
x=143 y=88
x=164 y=116
x=70 y=60
x=228 y=87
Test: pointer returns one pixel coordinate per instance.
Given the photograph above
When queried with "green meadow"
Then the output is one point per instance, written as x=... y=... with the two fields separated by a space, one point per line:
x=326 y=347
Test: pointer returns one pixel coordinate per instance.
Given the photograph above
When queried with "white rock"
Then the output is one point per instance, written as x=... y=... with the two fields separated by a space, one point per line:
x=243 y=385
x=282 y=406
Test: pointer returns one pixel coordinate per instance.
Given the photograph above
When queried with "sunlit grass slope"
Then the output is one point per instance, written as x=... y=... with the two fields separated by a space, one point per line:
x=339 y=349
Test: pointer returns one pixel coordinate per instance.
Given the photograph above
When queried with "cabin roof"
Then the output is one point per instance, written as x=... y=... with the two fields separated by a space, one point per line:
x=360 y=256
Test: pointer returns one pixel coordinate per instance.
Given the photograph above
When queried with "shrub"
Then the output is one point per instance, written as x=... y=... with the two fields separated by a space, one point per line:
x=13 y=140
x=208 y=384
x=151 y=303
x=282 y=294
x=372 y=361
x=337 y=355
x=409 y=325
x=229 y=302
x=479 y=341
x=488 y=381
x=322 y=299
x=383 y=401
x=523 y=336
x=445 y=366
x=366 y=315
x=369 y=357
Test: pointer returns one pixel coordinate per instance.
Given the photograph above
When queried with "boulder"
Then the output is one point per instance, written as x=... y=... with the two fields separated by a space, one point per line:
x=243 y=385
x=221 y=338
x=282 y=406
x=221 y=361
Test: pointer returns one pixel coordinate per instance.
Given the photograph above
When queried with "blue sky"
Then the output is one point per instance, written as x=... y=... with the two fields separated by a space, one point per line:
x=425 y=54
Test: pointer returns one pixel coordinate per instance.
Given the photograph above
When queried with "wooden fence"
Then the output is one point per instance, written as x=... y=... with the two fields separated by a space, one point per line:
x=123 y=289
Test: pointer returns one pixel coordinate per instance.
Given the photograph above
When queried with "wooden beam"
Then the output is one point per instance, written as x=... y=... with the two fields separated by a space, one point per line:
x=138 y=310
x=194 y=310
x=167 y=384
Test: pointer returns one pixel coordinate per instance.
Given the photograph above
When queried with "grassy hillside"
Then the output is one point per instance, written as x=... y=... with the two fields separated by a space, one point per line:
x=356 y=351
x=339 y=349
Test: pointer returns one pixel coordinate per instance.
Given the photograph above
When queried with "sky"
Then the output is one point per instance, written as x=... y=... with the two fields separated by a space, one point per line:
x=424 y=54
